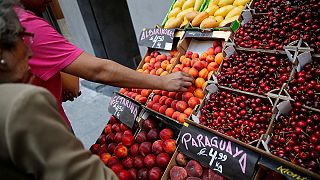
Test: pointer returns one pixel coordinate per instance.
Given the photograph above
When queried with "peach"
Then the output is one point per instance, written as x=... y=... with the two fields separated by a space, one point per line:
x=210 y=58
x=193 y=102
x=141 y=137
x=107 y=139
x=147 y=71
x=178 y=96
x=137 y=97
x=199 y=82
x=128 y=162
x=127 y=140
x=178 y=173
x=186 y=62
x=219 y=58
x=193 y=61
x=204 y=73
x=166 y=134
x=159 y=71
x=123 y=127
x=157 y=147
x=162 y=100
x=143 y=100
x=146 y=92
x=194 y=72
x=156 y=106
x=182 y=58
x=145 y=66
x=176 y=69
x=203 y=56
x=147 y=59
x=126 y=93
x=156 y=98
x=115 y=127
x=174 y=104
x=217 y=50
x=138 y=162
x=212 y=66
x=155 y=173
x=163 y=160
x=204 y=64
x=105 y=157
x=186 y=96
x=198 y=93
x=150 y=104
x=194 y=169
x=168 y=102
x=169 y=66
x=133 y=96
x=145 y=148
x=150 y=67
x=186 y=69
x=158 y=92
x=163 y=109
x=194 y=55
x=189 y=54
x=169 y=57
x=210 y=51
x=122 y=90
x=181 y=117
x=127 y=132
x=153 y=72
x=153 y=135
x=198 y=65
x=181 y=159
x=153 y=60
x=181 y=106
x=173 y=60
x=164 y=73
x=169 y=112
x=158 y=58
x=130 y=94
x=164 y=93
x=149 y=161
x=188 y=111
x=175 y=115
x=163 y=57
x=169 y=146
x=121 y=151
x=171 y=94
x=134 y=149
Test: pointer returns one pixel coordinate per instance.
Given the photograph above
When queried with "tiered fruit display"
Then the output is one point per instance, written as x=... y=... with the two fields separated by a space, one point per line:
x=276 y=29
x=218 y=14
x=255 y=72
x=305 y=87
x=237 y=115
x=295 y=138
x=144 y=157
x=187 y=169
x=155 y=64
x=179 y=105
x=177 y=15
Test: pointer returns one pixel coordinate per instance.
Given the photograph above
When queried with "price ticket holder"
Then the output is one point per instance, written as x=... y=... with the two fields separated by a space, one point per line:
x=124 y=109
x=157 y=38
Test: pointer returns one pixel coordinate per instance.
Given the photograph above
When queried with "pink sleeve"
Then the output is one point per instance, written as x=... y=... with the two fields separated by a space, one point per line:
x=51 y=51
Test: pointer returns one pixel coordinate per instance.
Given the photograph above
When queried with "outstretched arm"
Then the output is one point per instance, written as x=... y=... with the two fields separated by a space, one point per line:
x=108 y=72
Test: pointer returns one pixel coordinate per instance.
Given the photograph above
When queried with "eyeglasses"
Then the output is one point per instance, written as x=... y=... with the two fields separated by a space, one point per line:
x=27 y=37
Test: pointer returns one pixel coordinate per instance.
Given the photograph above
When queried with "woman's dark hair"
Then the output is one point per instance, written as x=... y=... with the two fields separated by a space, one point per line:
x=9 y=24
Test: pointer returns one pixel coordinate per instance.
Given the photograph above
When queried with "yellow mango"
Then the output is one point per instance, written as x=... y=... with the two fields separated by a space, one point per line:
x=173 y=22
x=211 y=10
x=188 y=4
x=184 y=12
x=174 y=12
x=199 y=18
x=178 y=3
x=191 y=15
x=197 y=5
x=185 y=22
x=224 y=10
x=219 y=19
x=234 y=12
x=240 y=2
x=223 y=3
x=213 y=2
x=227 y=21
x=209 y=22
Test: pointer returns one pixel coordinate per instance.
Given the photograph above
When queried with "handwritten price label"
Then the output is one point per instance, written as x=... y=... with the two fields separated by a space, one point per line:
x=157 y=38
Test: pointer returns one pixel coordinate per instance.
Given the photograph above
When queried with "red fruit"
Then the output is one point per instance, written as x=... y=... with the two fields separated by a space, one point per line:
x=112 y=120
x=143 y=100
x=105 y=157
x=150 y=104
x=143 y=174
x=166 y=134
x=123 y=127
x=155 y=173
x=118 y=137
x=127 y=132
x=193 y=101
x=128 y=162
x=194 y=169
x=116 y=168
x=138 y=162
x=217 y=50
x=116 y=128
x=108 y=129
x=127 y=140
x=108 y=139
x=186 y=96
x=121 y=151
x=175 y=115
x=149 y=161
x=168 y=102
x=111 y=147
x=94 y=148
x=162 y=100
x=152 y=135
x=133 y=172
x=178 y=173
x=164 y=93
x=169 y=112
x=124 y=175
x=178 y=96
x=198 y=65
x=156 y=106
x=172 y=94
x=163 y=109
x=141 y=137
x=181 y=159
x=113 y=160
x=163 y=160
x=193 y=178
x=169 y=146
x=174 y=104
x=102 y=139
x=149 y=124
x=157 y=147
x=156 y=98
x=181 y=106
x=145 y=148
x=134 y=149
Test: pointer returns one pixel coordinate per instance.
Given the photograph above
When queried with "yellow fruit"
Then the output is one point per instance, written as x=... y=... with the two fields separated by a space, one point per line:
x=188 y=4
x=174 y=12
x=199 y=18
x=197 y=5
x=173 y=22
x=179 y=3
x=213 y=2
x=184 y=12
x=234 y=12
x=223 y=3
x=211 y=10
x=185 y=22
x=240 y=2
x=227 y=21
x=224 y=11
x=219 y=19
x=209 y=22
x=191 y=15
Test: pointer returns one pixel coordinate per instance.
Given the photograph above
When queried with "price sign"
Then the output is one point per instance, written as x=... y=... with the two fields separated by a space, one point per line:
x=221 y=155
x=198 y=34
x=157 y=38
x=125 y=109
x=281 y=168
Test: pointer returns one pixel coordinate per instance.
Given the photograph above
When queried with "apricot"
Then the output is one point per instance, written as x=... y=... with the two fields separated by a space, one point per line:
x=210 y=58
x=186 y=96
x=210 y=51
x=181 y=117
x=147 y=59
x=169 y=146
x=212 y=66
x=159 y=71
x=198 y=93
x=153 y=60
x=186 y=69
x=199 y=82
x=164 y=73
x=204 y=85
x=169 y=112
x=153 y=72
x=175 y=115
x=164 y=64
x=188 y=111
x=176 y=69
x=173 y=60
x=146 y=92
x=105 y=157
x=182 y=58
x=203 y=56
x=186 y=62
x=198 y=65
x=194 y=55
x=204 y=73
x=194 y=72
x=219 y=58
x=145 y=66
x=140 y=70
x=147 y=71
x=169 y=66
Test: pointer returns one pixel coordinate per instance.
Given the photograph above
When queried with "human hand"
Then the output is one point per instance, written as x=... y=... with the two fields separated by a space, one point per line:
x=178 y=81
x=69 y=96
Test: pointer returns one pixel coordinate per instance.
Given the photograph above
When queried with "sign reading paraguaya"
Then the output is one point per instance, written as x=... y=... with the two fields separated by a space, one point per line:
x=125 y=109
x=157 y=38
x=221 y=155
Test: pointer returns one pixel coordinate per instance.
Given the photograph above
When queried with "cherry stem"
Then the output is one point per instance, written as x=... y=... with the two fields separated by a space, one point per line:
x=305 y=134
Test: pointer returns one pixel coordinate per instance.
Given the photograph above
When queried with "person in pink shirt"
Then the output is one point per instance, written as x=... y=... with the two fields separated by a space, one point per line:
x=52 y=53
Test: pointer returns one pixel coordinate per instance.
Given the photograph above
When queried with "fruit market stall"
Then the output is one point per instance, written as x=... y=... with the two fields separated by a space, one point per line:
x=253 y=111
